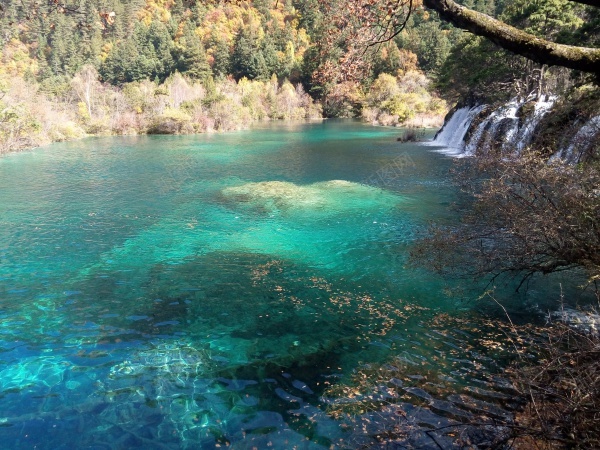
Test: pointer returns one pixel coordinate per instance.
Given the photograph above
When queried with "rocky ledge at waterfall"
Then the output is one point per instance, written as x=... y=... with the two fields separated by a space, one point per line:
x=565 y=128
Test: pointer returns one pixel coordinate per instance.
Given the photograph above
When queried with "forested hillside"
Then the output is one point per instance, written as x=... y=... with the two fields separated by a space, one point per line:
x=181 y=66
x=122 y=67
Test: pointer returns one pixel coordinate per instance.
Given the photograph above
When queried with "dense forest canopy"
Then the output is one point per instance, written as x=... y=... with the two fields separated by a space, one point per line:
x=114 y=66
x=130 y=40
x=379 y=59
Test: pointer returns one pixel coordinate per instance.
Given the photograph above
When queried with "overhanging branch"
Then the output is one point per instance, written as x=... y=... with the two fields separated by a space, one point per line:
x=518 y=41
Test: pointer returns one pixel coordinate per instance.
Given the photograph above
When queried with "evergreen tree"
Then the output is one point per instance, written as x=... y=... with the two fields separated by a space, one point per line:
x=177 y=10
x=388 y=59
x=160 y=41
x=221 y=66
x=63 y=57
x=192 y=60
x=264 y=8
x=120 y=26
x=311 y=15
x=8 y=19
x=145 y=56
x=269 y=53
x=247 y=59
x=91 y=35
x=551 y=19
x=199 y=10
x=432 y=46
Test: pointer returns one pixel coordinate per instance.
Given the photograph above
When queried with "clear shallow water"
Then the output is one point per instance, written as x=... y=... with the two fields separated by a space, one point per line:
x=206 y=291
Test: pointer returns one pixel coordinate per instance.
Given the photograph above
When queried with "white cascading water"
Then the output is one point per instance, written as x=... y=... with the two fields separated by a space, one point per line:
x=451 y=136
x=486 y=132
x=501 y=125
x=525 y=135
x=581 y=141
x=504 y=125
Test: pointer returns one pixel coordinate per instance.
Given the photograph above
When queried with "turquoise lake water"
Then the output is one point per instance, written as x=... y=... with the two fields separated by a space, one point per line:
x=212 y=291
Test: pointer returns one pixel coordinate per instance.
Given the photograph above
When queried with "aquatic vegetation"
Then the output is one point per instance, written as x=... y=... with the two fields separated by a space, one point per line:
x=448 y=389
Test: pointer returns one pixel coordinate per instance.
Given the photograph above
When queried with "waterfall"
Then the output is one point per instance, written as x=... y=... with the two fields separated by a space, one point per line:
x=510 y=127
x=506 y=126
x=581 y=141
x=487 y=131
x=541 y=108
x=451 y=136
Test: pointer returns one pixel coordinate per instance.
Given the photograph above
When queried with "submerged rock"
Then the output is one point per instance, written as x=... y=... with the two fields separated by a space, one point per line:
x=165 y=360
x=327 y=196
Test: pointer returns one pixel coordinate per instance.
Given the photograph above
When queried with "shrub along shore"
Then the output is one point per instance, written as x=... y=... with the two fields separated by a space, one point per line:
x=32 y=114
